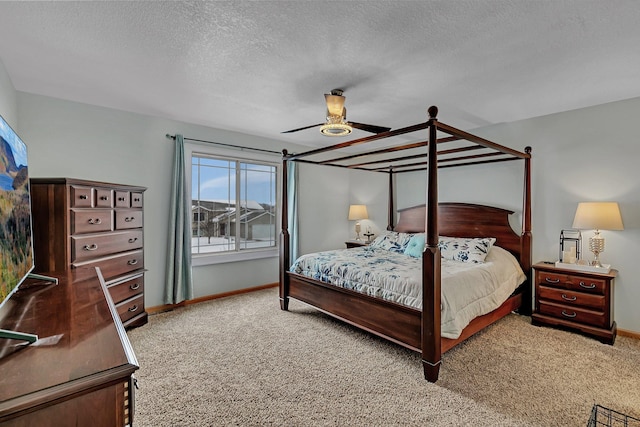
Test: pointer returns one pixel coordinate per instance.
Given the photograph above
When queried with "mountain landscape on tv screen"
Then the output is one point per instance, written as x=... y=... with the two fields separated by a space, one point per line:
x=15 y=220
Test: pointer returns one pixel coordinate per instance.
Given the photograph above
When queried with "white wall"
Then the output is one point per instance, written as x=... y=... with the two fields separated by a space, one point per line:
x=587 y=154
x=583 y=155
x=8 y=103
x=82 y=141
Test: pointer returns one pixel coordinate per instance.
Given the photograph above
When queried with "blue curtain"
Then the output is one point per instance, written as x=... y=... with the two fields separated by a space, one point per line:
x=292 y=204
x=179 y=285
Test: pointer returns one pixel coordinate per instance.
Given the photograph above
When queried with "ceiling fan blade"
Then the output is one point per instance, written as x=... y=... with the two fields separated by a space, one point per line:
x=306 y=127
x=369 y=128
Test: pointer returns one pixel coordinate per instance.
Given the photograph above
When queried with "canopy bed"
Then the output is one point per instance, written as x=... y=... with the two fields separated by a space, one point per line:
x=417 y=325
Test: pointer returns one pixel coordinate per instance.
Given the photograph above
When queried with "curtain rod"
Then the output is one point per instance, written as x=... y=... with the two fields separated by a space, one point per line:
x=240 y=147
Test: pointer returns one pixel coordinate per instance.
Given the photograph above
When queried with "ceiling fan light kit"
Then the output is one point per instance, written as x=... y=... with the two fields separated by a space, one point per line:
x=336 y=124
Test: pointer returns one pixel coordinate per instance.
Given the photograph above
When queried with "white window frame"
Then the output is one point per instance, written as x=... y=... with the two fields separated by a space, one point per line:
x=191 y=149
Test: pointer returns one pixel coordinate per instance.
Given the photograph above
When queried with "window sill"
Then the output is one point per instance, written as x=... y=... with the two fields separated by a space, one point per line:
x=209 y=259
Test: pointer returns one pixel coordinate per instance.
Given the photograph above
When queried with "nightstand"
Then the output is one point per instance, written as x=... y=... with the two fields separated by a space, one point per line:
x=581 y=301
x=355 y=243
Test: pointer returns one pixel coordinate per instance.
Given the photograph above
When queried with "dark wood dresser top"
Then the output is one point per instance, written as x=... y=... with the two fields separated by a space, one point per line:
x=81 y=347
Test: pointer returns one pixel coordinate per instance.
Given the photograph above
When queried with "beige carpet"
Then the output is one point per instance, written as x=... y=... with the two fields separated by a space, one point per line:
x=242 y=361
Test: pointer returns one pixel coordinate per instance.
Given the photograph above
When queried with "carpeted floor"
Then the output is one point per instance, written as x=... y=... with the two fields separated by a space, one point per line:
x=242 y=361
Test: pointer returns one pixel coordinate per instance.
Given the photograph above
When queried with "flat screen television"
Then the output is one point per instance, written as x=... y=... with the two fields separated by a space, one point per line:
x=16 y=244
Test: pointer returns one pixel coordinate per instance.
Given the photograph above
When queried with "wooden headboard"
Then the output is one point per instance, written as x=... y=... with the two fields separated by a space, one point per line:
x=464 y=220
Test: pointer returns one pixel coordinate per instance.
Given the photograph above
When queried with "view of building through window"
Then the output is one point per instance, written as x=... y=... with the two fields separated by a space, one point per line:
x=233 y=204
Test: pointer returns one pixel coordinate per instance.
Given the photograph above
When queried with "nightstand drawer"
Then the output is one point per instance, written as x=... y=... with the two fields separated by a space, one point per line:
x=570 y=281
x=574 y=314
x=570 y=298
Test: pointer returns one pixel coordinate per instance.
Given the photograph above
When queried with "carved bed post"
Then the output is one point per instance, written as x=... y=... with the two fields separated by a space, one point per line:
x=525 y=250
x=391 y=223
x=431 y=326
x=284 y=238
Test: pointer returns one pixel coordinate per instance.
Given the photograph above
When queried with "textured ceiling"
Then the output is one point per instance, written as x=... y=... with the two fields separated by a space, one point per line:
x=263 y=67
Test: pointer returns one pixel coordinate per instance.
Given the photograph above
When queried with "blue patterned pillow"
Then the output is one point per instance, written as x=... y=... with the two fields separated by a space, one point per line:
x=415 y=247
x=392 y=241
x=465 y=249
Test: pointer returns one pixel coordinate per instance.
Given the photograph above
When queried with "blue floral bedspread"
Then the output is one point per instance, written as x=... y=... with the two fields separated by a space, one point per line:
x=468 y=289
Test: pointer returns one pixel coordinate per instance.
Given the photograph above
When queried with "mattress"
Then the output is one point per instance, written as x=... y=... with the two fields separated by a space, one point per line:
x=469 y=290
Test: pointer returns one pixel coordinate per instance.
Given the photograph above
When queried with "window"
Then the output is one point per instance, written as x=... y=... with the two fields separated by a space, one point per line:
x=234 y=208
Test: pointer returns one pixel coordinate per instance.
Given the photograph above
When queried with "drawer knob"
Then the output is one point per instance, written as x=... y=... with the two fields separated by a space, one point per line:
x=83 y=197
x=121 y=199
x=91 y=247
x=133 y=308
x=569 y=315
x=551 y=280
x=129 y=219
x=589 y=286
x=133 y=240
x=135 y=286
x=104 y=197
x=132 y=262
x=566 y=298
x=95 y=221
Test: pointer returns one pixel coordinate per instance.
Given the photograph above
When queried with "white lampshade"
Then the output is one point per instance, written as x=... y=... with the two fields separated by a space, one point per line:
x=598 y=216
x=357 y=212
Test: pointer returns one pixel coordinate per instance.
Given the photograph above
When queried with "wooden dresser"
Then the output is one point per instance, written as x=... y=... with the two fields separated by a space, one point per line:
x=79 y=223
x=581 y=301
x=80 y=371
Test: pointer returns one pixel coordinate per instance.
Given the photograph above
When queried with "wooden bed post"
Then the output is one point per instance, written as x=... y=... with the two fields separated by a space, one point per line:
x=431 y=296
x=525 y=250
x=285 y=253
x=391 y=222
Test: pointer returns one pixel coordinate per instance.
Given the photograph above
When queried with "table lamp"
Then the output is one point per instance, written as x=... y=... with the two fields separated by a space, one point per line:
x=356 y=213
x=597 y=216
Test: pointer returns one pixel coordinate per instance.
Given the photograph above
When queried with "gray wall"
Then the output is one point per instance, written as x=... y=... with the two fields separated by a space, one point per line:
x=580 y=155
x=583 y=155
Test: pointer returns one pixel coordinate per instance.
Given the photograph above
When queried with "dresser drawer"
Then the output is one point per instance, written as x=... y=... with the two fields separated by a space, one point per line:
x=571 y=298
x=104 y=198
x=570 y=281
x=136 y=200
x=126 y=289
x=91 y=220
x=573 y=314
x=130 y=308
x=81 y=197
x=123 y=199
x=126 y=218
x=116 y=265
x=96 y=245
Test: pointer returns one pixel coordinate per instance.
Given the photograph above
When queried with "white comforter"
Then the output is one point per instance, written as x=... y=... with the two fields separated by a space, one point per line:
x=468 y=290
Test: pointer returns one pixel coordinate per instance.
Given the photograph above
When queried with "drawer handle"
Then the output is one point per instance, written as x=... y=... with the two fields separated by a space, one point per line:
x=134 y=308
x=83 y=197
x=95 y=221
x=136 y=199
x=551 y=280
x=92 y=247
x=121 y=199
x=132 y=240
x=132 y=262
x=129 y=219
x=591 y=286
x=571 y=316
x=104 y=197
x=566 y=298
x=135 y=286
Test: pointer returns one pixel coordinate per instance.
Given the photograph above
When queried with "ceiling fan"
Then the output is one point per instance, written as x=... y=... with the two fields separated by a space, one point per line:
x=336 y=124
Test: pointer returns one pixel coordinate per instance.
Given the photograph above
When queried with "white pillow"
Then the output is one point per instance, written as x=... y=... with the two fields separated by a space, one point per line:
x=465 y=249
x=392 y=241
